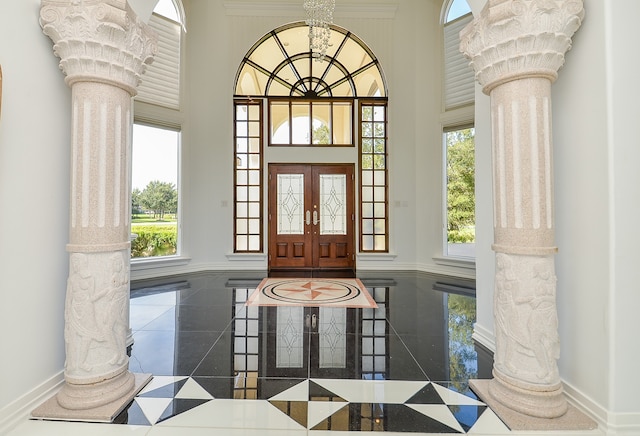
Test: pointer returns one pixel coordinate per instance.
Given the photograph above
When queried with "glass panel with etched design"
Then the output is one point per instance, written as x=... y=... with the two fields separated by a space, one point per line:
x=290 y=337
x=333 y=200
x=290 y=204
x=332 y=335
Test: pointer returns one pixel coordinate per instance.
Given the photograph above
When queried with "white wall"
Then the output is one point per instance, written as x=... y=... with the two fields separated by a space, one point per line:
x=597 y=187
x=582 y=216
x=485 y=257
x=34 y=199
x=624 y=88
x=424 y=88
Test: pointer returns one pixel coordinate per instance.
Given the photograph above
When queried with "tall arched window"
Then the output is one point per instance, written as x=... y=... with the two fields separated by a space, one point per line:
x=284 y=96
x=458 y=136
x=155 y=180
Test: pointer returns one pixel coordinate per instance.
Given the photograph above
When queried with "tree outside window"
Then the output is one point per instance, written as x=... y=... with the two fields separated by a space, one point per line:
x=154 y=195
x=461 y=203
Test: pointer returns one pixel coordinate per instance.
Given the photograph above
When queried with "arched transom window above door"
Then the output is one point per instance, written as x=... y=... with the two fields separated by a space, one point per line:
x=280 y=64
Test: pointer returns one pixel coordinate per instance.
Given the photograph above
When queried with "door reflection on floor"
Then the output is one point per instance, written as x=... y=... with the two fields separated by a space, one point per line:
x=316 y=342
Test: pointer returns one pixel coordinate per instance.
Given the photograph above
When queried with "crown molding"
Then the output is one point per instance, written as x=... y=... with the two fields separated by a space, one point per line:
x=280 y=9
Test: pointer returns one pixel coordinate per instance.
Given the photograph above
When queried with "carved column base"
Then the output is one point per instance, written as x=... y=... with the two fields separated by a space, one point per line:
x=542 y=401
x=89 y=396
x=119 y=391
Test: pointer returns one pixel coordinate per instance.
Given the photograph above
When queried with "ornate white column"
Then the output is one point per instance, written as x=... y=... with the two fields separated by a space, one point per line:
x=103 y=50
x=516 y=48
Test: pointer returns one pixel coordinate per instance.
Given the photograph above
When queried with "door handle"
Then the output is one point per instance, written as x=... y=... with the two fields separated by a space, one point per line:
x=307 y=321
x=314 y=320
x=308 y=217
x=315 y=218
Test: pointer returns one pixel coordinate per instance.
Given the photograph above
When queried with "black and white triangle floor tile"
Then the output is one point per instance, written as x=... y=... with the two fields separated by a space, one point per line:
x=317 y=404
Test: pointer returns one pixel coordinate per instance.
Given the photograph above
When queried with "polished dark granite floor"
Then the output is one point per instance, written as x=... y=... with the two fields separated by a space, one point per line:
x=403 y=367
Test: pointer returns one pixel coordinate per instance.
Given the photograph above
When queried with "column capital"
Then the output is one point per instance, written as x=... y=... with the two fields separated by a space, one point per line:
x=99 y=40
x=512 y=39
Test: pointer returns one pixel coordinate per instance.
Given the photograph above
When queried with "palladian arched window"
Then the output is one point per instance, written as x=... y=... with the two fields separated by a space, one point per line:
x=286 y=97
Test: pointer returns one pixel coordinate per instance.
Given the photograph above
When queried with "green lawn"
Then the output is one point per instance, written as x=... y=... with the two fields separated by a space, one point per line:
x=146 y=219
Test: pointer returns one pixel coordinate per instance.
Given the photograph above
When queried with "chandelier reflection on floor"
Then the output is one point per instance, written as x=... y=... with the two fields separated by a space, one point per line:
x=319 y=17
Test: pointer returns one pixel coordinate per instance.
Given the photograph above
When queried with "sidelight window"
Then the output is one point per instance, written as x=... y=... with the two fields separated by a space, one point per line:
x=374 y=223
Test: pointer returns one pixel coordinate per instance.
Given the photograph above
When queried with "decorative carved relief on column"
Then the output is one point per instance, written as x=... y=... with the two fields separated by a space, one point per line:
x=516 y=48
x=96 y=312
x=527 y=321
x=103 y=50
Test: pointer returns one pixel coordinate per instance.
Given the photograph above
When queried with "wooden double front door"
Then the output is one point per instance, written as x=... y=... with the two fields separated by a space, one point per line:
x=311 y=216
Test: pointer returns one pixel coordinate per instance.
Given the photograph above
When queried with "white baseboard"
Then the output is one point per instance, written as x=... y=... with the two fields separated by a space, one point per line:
x=484 y=336
x=155 y=268
x=446 y=270
x=383 y=266
x=152 y=271
x=20 y=409
x=618 y=424
x=585 y=404
x=623 y=424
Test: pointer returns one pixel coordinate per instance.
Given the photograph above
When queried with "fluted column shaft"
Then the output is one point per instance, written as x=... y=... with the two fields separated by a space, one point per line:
x=103 y=51
x=516 y=48
x=522 y=161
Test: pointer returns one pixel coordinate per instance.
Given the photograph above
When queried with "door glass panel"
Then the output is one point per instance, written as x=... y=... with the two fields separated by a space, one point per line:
x=332 y=333
x=290 y=337
x=333 y=204
x=290 y=204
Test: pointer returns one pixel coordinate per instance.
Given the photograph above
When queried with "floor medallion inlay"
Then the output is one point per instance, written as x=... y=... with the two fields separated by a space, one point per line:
x=311 y=292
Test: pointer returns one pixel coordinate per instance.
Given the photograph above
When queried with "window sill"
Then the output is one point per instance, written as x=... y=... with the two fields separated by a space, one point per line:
x=247 y=257
x=376 y=256
x=158 y=262
x=459 y=262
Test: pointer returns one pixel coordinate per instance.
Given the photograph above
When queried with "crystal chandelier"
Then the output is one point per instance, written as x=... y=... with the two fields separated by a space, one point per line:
x=319 y=17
